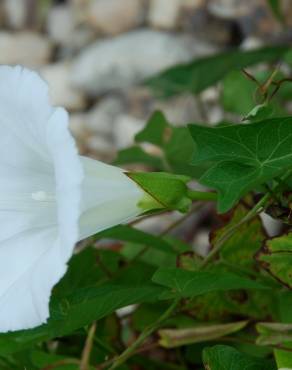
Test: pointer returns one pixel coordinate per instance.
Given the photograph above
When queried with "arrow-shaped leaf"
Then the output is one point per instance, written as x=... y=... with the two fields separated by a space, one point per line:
x=242 y=156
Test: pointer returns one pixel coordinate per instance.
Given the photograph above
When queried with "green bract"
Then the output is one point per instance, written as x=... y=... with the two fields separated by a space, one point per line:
x=163 y=190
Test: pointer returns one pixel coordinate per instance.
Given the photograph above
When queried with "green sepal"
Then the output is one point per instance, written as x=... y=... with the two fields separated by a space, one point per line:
x=162 y=190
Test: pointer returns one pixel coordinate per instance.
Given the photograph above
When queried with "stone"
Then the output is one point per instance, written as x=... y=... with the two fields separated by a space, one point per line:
x=67 y=31
x=77 y=126
x=201 y=243
x=125 y=129
x=26 y=48
x=61 y=24
x=16 y=12
x=251 y=43
x=81 y=37
x=232 y=9
x=179 y=110
x=62 y=93
x=128 y=59
x=193 y=4
x=100 y=119
x=112 y=17
x=164 y=13
x=271 y=226
x=100 y=146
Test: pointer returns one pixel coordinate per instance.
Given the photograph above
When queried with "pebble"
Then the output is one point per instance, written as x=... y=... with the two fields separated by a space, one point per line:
x=164 y=13
x=179 y=110
x=62 y=93
x=112 y=17
x=77 y=126
x=61 y=24
x=100 y=146
x=232 y=9
x=128 y=59
x=16 y=13
x=26 y=48
x=100 y=119
x=125 y=129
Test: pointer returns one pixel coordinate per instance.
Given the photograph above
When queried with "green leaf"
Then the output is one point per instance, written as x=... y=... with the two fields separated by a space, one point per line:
x=156 y=131
x=170 y=155
x=167 y=190
x=242 y=156
x=275 y=6
x=240 y=248
x=226 y=358
x=236 y=84
x=130 y=234
x=43 y=360
x=283 y=359
x=85 y=305
x=171 y=338
x=260 y=112
x=214 y=306
x=272 y=333
x=276 y=258
x=193 y=283
x=83 y=271
x=284 y=304
x=204 y=72
x=136 y=154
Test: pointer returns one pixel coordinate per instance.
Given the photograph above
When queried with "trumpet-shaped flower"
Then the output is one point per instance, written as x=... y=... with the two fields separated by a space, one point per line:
x=50 y=198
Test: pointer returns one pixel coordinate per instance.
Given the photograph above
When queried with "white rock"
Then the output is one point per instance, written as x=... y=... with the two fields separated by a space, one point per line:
x=251 y=43
x=62 y=93
x=65 y=29
x=231 y=9
x=125 y=129
x=61 y=24
x=126 y=60
x=81 y=37
x=77 y=125
x=27 y=48
x=271 y=225
x=115 y=16
x=16 y=13
x=179 y=110
x=201 y=243
x=164 y=13
x=157 y=223
x=100 y=145
x=193 y=4
x=101 y=117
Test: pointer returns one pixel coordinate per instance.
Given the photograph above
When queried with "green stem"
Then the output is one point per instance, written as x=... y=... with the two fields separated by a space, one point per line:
x=230 y=231
x=144 y=334
x=202 y=195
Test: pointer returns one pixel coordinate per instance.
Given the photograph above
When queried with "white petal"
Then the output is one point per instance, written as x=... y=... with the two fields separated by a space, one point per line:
x=24 y=110
x=68 y=180
x=37 y=234
x=30 y=265
x=109 y=197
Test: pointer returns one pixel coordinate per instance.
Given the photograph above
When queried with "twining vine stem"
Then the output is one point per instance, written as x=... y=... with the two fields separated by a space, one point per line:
x=230 y=231
x=144 y=334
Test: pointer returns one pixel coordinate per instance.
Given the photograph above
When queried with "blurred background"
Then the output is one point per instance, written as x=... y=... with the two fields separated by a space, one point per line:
x=95 y=54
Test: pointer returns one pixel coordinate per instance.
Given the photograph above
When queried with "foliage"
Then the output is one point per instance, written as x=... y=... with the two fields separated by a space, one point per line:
x=227 y=309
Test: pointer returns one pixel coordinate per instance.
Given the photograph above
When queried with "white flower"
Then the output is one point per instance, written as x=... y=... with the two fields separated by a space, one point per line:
x=49 y=198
